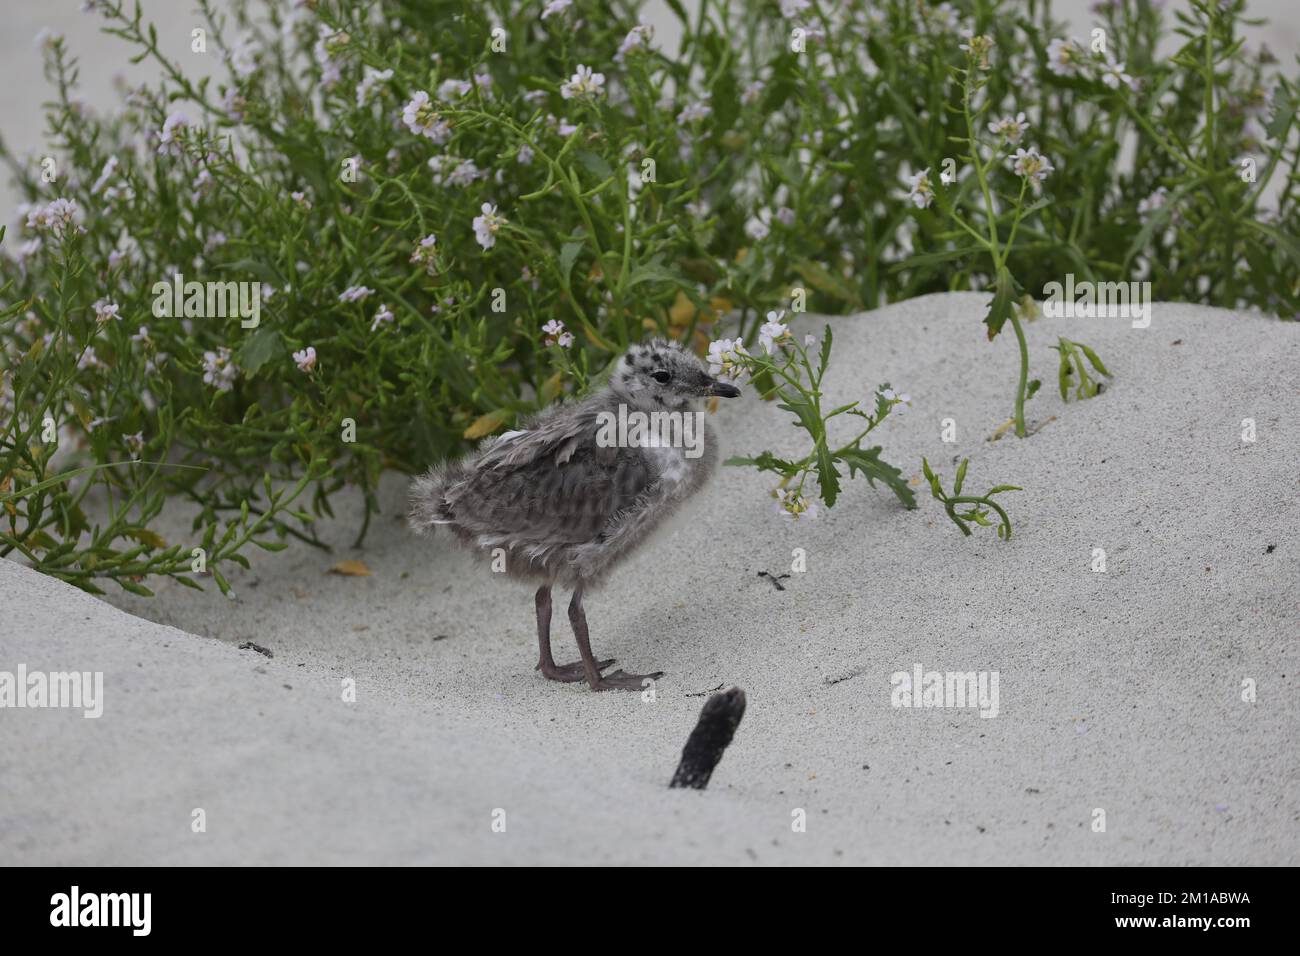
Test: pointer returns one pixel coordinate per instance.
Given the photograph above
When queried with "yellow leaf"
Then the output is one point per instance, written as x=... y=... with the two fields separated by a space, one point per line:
x=487 y=424
x=721 y=306
x=353 y=569
x=551 y=387
x=145 y=536
x=682 y=310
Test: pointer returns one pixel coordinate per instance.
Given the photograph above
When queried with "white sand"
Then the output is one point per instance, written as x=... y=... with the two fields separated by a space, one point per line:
x=1119 y=691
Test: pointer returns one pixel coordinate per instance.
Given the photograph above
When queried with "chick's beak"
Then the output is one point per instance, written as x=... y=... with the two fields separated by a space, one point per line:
x=723 y=390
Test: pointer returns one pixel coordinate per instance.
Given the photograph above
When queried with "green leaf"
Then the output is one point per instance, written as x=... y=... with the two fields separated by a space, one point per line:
x=766 y=461
x=828 y=478
x=822 y=279
x=222 y=583
x=1285 y=106
x=594 y=164
x=261 y=347
x=568 y=253
x=867 y=461
x=1092 y=357
x=1000 y=306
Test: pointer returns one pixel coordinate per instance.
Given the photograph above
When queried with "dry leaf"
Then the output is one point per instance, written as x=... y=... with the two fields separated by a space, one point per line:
x=551 y=388
x=682 y=310
x=487 y=424
x=353 y=569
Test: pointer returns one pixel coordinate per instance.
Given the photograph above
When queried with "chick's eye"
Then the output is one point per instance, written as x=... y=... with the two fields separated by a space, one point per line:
x=660 y=376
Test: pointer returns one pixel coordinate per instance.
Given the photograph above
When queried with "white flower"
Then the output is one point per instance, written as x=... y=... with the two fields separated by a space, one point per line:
x=638 y=38
x=809 y=341
x=218 y=370
x=486 y=226
x=243 y=59
x=305 y=359
x=694 y=112
x=978 y=47
x=301 y=199
x=1033 y=166
x=773 y=332
x=1113 y=75
x=943 y=18
x=56 y=216
x=105 y=311
x=234 y=104
x=135 y=442
x=329 y=43
x=921 y=191
x=141 y=335
x=384 y=314
x=525 y=155
x=355 y=293
x=1065 y=57
x=757 y=228
x=426 y=253
x=168 y=145
x=453 y=89
x=727 y=358
x=1010 y=128
x=32 y=246
x=565 y=340
x=583 y=83
x=554 y=7
x=89 y=359
x=1156 y=200
x=753 y=93
x=785 y=216
x=792 y=8
x=422 y=119
x=105 y=174
x=214 y=242
x=793 y=506
x=370 y=78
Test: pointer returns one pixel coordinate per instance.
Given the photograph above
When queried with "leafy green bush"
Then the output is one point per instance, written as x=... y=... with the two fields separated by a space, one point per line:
x=456 y=212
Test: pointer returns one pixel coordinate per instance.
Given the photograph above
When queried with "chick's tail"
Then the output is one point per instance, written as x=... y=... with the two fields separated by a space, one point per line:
x=429 y=505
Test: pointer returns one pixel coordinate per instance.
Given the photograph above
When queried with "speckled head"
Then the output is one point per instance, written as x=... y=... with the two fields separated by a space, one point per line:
x=659 y=375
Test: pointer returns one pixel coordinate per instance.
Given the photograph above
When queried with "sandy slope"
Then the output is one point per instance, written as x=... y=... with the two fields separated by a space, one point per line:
x=1118 y=691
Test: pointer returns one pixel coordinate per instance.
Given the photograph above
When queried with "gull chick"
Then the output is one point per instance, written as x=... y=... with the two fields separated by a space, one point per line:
x=563 y=504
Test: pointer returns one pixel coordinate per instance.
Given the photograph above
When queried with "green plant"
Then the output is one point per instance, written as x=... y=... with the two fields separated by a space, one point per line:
x=783 y=369
x=980 y=506
x=1073 y=369
x=340 y=164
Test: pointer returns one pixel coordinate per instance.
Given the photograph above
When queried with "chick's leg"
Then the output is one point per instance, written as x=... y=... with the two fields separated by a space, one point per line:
x=619 y=680
x=569 y=673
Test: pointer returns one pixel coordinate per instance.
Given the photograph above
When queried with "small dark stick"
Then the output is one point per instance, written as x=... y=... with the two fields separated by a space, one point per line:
x=718 y=722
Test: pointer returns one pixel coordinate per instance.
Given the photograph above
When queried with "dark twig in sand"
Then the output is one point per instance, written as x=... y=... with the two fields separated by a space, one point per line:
x=250 y=646
x=717 y=725
x=705 y=693
x=775 y=579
